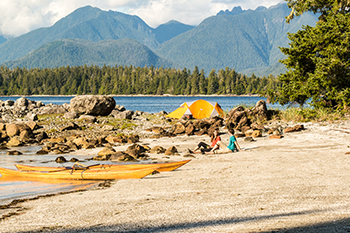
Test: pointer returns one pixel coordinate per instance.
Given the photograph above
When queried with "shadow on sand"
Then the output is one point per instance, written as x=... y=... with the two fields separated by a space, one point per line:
x=342 y=225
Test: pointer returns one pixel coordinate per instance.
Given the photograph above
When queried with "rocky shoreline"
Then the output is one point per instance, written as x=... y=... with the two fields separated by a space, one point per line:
x=96 y=121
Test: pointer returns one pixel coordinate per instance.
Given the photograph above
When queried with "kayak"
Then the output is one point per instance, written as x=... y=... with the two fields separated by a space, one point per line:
x=161 y=167
x=84 y=174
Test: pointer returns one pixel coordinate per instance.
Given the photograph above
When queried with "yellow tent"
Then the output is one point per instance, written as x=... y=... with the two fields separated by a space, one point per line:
x=199 y=109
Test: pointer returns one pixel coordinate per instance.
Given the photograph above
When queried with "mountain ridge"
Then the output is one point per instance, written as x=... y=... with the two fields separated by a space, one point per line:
x=245 y=40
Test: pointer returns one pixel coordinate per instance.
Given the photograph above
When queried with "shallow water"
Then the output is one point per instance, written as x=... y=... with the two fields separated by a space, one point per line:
x=18 y=188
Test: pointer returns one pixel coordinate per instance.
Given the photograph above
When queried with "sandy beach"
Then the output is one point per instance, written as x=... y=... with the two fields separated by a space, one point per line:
x=299 y=183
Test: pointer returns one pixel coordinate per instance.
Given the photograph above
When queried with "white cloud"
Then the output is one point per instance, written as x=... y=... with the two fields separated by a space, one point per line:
x=18 y=17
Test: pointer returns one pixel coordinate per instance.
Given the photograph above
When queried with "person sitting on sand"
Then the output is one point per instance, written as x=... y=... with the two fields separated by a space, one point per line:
x=221 y=148
x=202 y=147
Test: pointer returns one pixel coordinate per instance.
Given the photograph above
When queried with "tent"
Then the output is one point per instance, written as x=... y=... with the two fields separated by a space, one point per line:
x=199 y=109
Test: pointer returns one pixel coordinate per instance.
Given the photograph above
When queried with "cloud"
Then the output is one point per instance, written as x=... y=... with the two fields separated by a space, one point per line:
x=18 y=17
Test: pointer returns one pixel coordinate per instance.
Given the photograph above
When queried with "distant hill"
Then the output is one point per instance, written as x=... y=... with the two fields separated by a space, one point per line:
x=77 y=52
x=165 y=32
x=243 y=40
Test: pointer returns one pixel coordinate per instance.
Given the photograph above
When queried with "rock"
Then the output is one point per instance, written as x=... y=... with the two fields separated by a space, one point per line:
x=133 y=138
x=106 y=151
x=14 y=142
x=42 y=152
x=137 y=147
x=101 y=157
x=21 y=102
x=190 y=130
x=69 y=126
x=245 y=128
x=41 y=136
x=71 y=115
x=189 y=156
x=12 y=130
x=16 y=129
x=203 y=124
x=294 y=128
x=121 y=156
x=88 y=118
x=96 y=105
x=179 y=128
x=32 y=125
x=249 y=133
x=31 y=117
x=2 y=126
x=116 y=139
x=274 y=136
x=156 y=130
x=171 y=151
x=14 y=152
x=257 y=126
x=249 y=139
x=157 y=150
x=3 y=147
x=233 y=111
x=126 y=115
x=120 y=108
x=270 y=131
x=72 y=145
x=74 y=160
x=260 y=110
x=162 y=113
x=108 y=128
x=256 y=133
x=57 y=140
x=26 y=135
x=51 y=109
x=9 y=103
x=239 y=135
x=39 y=104
x=81 y=141
x=201 y=132
x=60 y=159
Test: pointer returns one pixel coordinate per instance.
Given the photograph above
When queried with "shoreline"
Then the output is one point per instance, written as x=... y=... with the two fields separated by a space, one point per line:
x=140 y=95
x=291 y=184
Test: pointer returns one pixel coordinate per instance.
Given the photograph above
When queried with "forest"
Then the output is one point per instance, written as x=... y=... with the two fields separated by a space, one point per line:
x=129 y=80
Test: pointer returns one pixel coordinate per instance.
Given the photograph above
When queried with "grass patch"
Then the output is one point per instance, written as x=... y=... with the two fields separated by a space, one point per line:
x=311 y=115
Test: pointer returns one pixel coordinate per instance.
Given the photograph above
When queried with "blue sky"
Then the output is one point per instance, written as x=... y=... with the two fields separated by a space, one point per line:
x=21 y=16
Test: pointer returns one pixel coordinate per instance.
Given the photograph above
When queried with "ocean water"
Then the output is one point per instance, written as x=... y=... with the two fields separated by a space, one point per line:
x=154 y=104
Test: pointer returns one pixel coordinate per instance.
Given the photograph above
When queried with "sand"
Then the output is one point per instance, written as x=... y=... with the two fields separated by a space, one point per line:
x=299 y=183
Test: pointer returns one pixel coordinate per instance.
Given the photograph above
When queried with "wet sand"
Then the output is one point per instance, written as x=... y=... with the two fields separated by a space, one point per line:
x=297 y=184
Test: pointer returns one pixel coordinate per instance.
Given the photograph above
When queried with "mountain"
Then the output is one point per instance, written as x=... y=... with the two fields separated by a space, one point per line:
x=78 y=52
x=165 y=32
x=244 y=40
x=88 y=23
x=2 y=39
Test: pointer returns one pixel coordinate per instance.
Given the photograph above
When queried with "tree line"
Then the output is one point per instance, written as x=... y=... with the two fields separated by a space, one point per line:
x=125 y=80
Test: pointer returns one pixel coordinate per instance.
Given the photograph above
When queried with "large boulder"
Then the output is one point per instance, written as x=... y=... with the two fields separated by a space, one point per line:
x=92 y=105
x=260 y=110
x=21 y=102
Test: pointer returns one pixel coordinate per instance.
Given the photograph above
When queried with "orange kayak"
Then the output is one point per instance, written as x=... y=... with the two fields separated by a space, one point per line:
x=161 y=167
x=88 y=174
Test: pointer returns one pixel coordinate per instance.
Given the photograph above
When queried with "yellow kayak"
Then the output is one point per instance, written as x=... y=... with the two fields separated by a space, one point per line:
x=161 y=167
x=84 y=174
